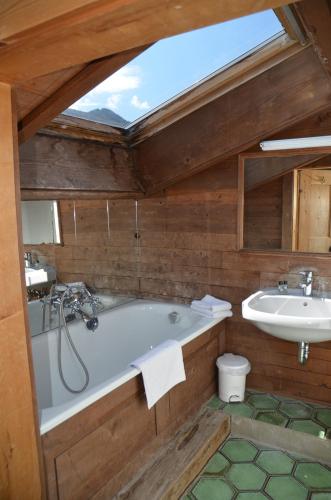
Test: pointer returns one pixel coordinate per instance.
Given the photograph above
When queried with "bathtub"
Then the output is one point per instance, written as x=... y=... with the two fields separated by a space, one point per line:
x=124 y=333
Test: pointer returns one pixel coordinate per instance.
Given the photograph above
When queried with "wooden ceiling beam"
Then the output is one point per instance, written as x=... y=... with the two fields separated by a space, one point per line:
x=18 y=19
x=316 y=19
x=101 y=28
x=71 y=91
x=278 y=98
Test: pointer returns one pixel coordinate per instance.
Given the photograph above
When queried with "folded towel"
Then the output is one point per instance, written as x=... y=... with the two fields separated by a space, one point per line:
x=162 y=368
x=212 y=304
x=211 y=314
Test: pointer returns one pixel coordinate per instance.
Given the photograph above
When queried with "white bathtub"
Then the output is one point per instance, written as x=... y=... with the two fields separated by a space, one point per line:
x=124 y=333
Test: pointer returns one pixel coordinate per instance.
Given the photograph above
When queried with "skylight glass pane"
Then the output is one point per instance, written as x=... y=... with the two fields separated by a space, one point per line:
x=171 y=66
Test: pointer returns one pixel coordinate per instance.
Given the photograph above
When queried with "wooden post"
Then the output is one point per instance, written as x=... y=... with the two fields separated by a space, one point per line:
x=20 y=464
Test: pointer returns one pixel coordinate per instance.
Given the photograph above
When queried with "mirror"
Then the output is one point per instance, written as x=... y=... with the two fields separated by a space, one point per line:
x=286 y=202
x=40 y=222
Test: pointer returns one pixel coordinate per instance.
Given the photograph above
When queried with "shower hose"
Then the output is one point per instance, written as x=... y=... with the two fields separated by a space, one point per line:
x=73 y=347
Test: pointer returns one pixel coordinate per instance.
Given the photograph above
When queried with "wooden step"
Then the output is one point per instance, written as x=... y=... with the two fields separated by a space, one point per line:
x=174 y=467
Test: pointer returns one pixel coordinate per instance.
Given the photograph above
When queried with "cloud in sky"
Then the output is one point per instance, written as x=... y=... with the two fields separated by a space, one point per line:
x=113 y=101
x=85 y=103
x=139 y=104
x=127 y=78
x=109 y=93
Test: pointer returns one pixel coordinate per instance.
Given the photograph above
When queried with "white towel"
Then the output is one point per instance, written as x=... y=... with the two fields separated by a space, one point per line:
x=211 y=303
x=162 y=368
x=211 y=314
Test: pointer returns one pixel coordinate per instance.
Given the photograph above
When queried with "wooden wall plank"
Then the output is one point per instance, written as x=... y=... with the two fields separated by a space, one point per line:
x=56 y=163
x=20 y=467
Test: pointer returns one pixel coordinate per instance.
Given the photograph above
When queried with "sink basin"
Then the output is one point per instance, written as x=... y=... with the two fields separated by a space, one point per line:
x=290 y=317
x=36 y=276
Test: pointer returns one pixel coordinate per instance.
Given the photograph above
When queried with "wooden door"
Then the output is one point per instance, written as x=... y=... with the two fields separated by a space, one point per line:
x=314 y=234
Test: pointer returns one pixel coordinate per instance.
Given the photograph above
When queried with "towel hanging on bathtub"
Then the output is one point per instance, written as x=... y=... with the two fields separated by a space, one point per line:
x=162 y=368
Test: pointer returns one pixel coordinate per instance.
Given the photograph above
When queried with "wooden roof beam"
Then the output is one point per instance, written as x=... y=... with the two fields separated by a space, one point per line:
x=83 y=31
x=94 y=73
x=278 y=98
x=316 y=18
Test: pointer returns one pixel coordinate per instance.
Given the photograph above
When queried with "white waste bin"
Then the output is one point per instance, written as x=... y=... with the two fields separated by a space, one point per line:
x=232 y=371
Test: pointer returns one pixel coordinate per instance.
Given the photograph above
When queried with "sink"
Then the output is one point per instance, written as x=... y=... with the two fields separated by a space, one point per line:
x=36 y=276
x=290 y=317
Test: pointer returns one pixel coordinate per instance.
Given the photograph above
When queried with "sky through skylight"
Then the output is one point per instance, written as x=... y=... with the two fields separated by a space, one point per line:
x=174 y=64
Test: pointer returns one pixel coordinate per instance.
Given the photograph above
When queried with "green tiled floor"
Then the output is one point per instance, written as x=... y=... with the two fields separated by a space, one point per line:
x=243 y=470
x=305 y=417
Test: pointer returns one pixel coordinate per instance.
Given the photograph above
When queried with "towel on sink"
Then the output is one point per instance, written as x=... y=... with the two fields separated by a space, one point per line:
x=162 y=368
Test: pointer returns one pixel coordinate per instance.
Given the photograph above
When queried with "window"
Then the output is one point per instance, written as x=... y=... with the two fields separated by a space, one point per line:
x=171 y=66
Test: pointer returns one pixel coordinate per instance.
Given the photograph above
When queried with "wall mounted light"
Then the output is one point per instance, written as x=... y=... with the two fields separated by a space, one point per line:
x=300 y=143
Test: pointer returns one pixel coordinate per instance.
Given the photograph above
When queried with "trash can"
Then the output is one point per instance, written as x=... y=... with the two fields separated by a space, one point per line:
x=232 y=371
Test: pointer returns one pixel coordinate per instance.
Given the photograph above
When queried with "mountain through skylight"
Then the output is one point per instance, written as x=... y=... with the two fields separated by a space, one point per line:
x=172 y=65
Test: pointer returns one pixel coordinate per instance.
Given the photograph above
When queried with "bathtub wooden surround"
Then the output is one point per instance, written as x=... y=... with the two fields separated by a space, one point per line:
x=173 y=468
x=100 y=448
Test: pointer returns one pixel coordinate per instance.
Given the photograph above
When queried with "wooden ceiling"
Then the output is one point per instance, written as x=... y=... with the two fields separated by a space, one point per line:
x=54 y=52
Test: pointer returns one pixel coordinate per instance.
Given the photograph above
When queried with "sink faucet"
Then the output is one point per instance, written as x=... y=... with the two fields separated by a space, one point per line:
x=307 y=283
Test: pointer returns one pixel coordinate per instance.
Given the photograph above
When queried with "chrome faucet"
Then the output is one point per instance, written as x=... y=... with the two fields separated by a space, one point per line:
x=307 y=283
x=73 y=298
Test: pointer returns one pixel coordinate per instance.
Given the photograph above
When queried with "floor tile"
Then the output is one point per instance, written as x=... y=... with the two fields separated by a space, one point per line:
x=296 y=410
x=311 y=418
x=212 y=489
x=281 y=488
x=275 y=462
x=263 y=401
x=272 y=417
x=324 y=416
x=307 y=426
x=241 y=409
x=217 y=465
x=244 y=470
x=239 y=450
x=314 y=475
x=246 y=476
x=251 y=495
x=215 y=403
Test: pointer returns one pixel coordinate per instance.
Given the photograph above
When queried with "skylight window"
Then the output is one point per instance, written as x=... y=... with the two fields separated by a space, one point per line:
x=171 y=66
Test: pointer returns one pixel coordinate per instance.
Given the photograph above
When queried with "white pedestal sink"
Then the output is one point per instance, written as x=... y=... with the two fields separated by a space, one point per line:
x=290 y=317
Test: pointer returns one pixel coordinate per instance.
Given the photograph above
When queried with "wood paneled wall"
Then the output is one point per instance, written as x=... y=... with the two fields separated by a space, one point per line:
x=263 y=213
x=188 y=247
x=63 y=163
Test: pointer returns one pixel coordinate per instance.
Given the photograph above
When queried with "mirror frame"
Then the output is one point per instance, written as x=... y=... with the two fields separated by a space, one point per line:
x=241 y=193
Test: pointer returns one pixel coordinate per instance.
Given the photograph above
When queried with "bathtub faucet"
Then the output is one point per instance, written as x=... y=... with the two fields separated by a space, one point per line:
x=91 y=322
x=75 y=297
